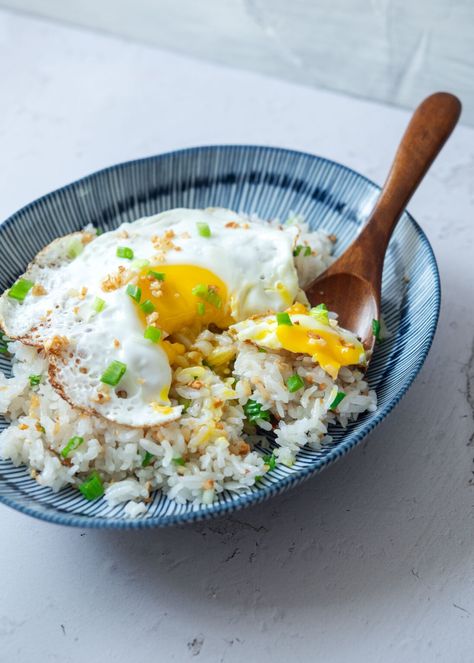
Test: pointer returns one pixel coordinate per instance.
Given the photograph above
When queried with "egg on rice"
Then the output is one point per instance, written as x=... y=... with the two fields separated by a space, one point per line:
x=150 y=356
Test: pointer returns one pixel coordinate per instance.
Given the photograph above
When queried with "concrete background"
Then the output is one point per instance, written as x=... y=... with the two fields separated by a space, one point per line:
x=372 y=560
x=396 y=51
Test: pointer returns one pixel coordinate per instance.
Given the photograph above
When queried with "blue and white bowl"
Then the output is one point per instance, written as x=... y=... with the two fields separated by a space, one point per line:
x=270 y=182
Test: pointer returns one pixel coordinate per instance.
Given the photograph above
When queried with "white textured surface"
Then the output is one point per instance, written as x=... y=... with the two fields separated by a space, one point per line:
x=371 y=561
x=392 y=50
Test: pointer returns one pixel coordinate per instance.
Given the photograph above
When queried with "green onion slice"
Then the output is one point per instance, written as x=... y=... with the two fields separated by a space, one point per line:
x=208 y=293
x=147 y=458
x=301 y=247
x=73 y=443
x=75 y=248
x=200 y=290
x=153 y=334
x=98 y=305
x=213 y=298
x=376 y=329
x=135 y=292
x=159 y=276
x=270 y=460
x=179 y=460
x=3 y=344
x=20 y=289
x=201 y=309
x=92 y=487
x=125 y=252
x=34 y=380
x=113 y=373
x=283 y=319
x=253 y=411
x=294 y=383
x=185 y=402
x=203 y=229
x=320 y=313
x=339 y=397
x=147 y=307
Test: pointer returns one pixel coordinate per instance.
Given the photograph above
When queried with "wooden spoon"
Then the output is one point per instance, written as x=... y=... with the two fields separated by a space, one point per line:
x=351 y=286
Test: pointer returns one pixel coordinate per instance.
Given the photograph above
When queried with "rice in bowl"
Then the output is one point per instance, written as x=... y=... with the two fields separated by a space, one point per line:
x=230 y=390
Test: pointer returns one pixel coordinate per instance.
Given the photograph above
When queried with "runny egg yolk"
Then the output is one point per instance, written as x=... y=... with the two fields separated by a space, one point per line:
x=325 y=345
x=184 y=297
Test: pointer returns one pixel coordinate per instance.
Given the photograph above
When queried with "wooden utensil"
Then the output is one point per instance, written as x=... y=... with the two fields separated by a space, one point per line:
x=351 y=286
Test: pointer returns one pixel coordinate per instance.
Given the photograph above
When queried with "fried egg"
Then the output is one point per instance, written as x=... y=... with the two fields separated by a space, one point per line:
x=302 y=330
x=109 y=311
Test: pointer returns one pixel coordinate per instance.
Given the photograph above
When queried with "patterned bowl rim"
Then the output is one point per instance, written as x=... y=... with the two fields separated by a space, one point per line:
x=265 y=492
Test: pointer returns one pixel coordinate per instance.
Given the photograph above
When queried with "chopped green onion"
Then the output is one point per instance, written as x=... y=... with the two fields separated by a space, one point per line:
x=294 y=383
x=92 y=487
x=213 y=298
x=20 y=289
x=34 y=380
x=185 y=402
x=98 y=232
x=376 y=329
x=253 y=411
x=283 y=319
x=113 y=373
x=147 y=307
x=179 y=460
x=73 y=443
x=147 y=458
x=124 y=252
x=203 y=229
x=262 y=350
x=134 y=291
x=3 y=344
x=201 y=309
x=258 y=478
x=159 y=276
x=199 y=290
x=208 y=293
x=320 y=313
x=139 y=263
x=75 y=248
x=271 y=461
x=98 y=305
x=339 y=397
x=153 y=334
x=301 y=247
x=40 y=428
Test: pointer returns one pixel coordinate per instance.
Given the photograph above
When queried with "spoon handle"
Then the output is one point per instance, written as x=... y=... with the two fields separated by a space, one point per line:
x=429 y=128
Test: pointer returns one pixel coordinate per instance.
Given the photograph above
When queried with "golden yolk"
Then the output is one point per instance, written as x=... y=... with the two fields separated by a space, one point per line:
x=173 y=350
x=326 y=347
x=177 y=307
x=298 y=308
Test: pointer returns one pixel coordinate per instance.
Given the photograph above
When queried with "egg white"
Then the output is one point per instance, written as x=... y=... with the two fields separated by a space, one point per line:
x=254 y=260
